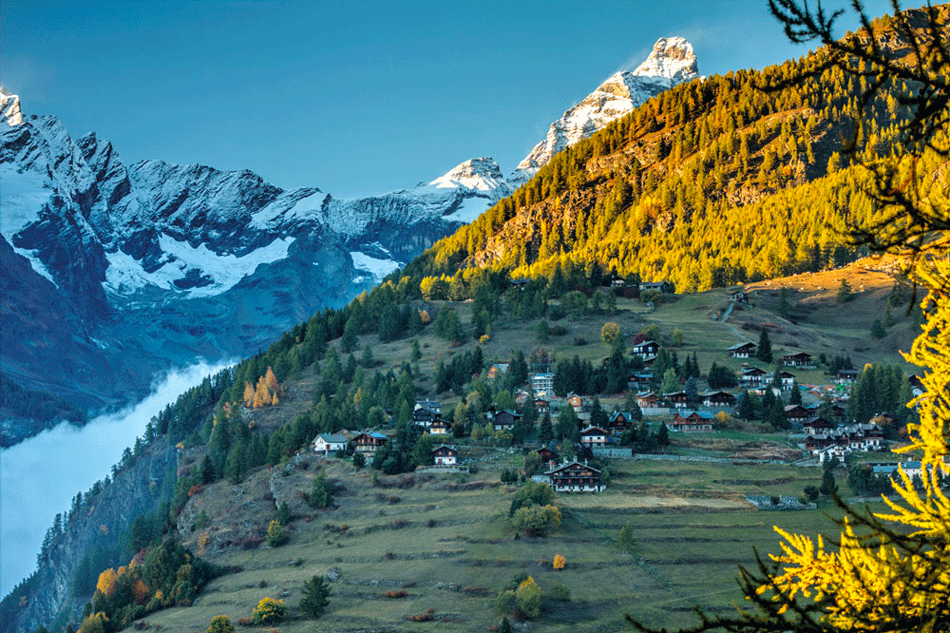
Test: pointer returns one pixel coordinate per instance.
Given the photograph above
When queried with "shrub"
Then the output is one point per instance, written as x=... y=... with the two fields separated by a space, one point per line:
x=275 y=534
x=269 y=611
x=559 y=562
x=506 y=602
x=536 y=520
x=531 y=493
x=220 y=624
x=528 y=598
x=560 y=593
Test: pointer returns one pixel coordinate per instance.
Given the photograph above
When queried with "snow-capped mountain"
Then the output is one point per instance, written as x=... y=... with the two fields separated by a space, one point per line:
x=671 y=62
x=114 y=272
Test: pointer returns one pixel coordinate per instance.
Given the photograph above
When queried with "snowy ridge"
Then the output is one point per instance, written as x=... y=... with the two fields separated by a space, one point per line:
x=671 y=62
x=10 y=108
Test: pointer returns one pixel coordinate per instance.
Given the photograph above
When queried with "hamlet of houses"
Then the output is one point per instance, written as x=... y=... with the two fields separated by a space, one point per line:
x=826 y=436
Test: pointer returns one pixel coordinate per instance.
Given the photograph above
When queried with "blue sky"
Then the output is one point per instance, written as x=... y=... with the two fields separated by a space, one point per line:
x=352 y=97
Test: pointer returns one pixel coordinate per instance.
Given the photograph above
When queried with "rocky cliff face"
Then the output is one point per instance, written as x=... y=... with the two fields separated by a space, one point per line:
x=671 y=62
x=133 y=491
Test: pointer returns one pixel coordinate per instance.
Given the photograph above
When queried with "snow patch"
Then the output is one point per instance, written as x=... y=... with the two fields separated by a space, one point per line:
x=22 y=197
x=469 y=210
x=377 y=268
x=36 y=263
x=125 y=275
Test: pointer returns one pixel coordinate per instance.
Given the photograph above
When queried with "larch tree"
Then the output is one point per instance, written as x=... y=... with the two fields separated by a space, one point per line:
x=887 y=571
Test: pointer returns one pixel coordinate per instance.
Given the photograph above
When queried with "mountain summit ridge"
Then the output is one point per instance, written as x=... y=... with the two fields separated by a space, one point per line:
x=671 y=62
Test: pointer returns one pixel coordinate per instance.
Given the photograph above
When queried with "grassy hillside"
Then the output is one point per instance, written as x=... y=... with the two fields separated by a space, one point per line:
x=400 y=545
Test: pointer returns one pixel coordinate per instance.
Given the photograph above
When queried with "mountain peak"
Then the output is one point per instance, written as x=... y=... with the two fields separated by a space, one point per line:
x=10 y=108
x=671 y=58
x=482 y=174
x=671 y=62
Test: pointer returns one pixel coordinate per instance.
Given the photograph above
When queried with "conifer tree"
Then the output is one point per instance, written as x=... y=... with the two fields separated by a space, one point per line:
x=764 y=350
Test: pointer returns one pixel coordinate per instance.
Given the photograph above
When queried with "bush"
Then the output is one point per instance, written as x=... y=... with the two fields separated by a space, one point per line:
x=269 y=611
x=531 y=493
x=528 y=598
x=220 y=624
x=536 y=520
x=275 y=534
x=559 y=562
x=560 y=593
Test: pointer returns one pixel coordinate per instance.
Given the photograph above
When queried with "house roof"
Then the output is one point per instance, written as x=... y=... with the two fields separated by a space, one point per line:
x=447 y=447
x=739 y=346
x=569 y=464
x=705 y=415
x=332 y=438
x=593 y=430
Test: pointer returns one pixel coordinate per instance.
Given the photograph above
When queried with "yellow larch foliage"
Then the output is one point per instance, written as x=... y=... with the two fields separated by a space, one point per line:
x=879 y=579
x=106 y=582
x=559 y=562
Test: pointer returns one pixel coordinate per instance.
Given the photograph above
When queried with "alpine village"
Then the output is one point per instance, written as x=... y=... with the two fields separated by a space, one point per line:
x=578 y=412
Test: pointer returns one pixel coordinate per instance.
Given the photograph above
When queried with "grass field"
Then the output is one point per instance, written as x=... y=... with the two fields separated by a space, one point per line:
x=446 y=543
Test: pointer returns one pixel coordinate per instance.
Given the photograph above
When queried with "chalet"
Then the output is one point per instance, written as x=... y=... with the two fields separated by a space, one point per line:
x=520 y=283
x=367 y=443
x=753 y=377
x=445 y=455
x=801 y=359
x=593 y=436
x=796 y=414
x=619 y=422
x=846 y=376
x=742 y=350
x=660 y=286
x=788 y=380
x=424 y=417
x=678 y=399
x=816 y=425
x=645 y=349
x=505 y=420
x=639 y=381
x=496 y=371
x=647 y=400
x=329 y=443
x=576 y=403
x=575 y=477
x=542 y=406
x=692 y=422
x=547 y=456
x=542 y=383
x=740 y=296
x=648 y=363
x=431 y=405
x=718 y=399
x=842 y=441
x=440 y=427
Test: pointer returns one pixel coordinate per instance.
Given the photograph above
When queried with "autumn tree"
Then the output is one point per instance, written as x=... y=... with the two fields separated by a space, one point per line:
x=887 y=571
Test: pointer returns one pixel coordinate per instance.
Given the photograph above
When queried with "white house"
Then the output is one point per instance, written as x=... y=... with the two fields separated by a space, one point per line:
x=327 y=443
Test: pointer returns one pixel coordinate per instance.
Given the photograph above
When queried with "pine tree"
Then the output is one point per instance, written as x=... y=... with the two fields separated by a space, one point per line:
x=764 y=350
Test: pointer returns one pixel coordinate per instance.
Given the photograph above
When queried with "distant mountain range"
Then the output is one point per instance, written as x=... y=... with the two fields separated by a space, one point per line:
x=113 y=273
